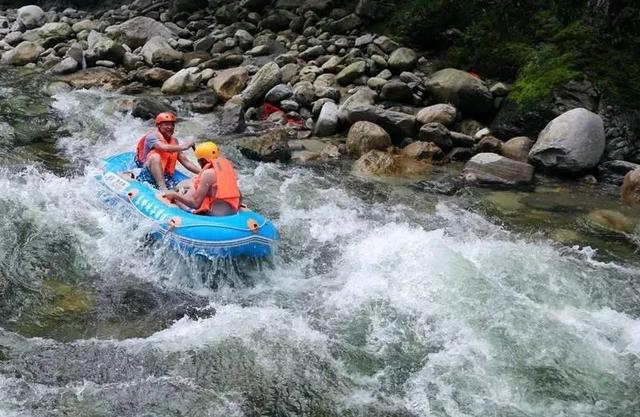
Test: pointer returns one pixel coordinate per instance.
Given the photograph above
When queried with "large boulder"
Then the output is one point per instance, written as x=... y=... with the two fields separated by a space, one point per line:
x=571 y=143
x=630 y=191
x=399 y=125
x=365 y=136
x=438 y=113
x=102 y=47
x=184 y=81
x=22 y=54
x=327 y=122
x=148 y=108
x=491 y=168
x=31 y=17
x=137 y=31
x=229 y=82
x=463 y=90
x=266 y=78
x=270 y=147
x=158 y=52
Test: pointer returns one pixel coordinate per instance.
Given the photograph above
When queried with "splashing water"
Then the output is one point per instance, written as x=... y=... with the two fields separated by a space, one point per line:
x=380 y=301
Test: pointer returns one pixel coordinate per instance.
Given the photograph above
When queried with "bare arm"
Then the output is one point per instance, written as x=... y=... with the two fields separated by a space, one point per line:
x=195 y=198
x=166 y=147
x=188 y=164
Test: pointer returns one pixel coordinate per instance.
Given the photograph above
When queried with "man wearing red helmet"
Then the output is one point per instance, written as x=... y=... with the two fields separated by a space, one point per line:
x=158 y=151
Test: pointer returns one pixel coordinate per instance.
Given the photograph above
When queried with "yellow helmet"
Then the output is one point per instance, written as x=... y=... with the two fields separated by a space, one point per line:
x=206 y=150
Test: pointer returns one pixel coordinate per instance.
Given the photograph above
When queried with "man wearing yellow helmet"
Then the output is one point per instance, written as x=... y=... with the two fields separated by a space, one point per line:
x=215 y=189
x=158 y=151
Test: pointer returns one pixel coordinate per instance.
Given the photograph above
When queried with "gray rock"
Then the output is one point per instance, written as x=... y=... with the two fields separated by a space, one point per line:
x=403 y=59
x=13 y=38
x=351 y=72
x=376 y=83
x=137 y=31
x=22 y=54
x=312 y=53
x=365 y=136
x=66 y=66
x=154 y=76
x=85 y=24
x=278 y=20
x=396 y=91
x=461 y=89
x=278 y=93
x=31 y=17
x=491 y=168
x=158 y=52
x=439 y=113
x=346 y=24
x=385 y=44
x=102 y=47
x=572 y=142
x=266 y=78
x=303 y=93
x=147 y=108
x=270 y=147
x=327 y=122
x=361 y=96
x=289 y=73
x=259 y=50
x=289 y=105
x=364 y=40
x=333 y=65
x=613 y=172
x=229 y=82
x=436 y=133
x=184 y=81
x=230 y=119
x=398 y=125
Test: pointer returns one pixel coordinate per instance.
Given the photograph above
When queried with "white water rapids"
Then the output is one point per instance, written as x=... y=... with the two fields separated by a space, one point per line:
x=381 y=301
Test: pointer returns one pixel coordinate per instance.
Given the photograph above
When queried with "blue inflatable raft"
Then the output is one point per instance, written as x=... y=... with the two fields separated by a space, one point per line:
x=244 y=233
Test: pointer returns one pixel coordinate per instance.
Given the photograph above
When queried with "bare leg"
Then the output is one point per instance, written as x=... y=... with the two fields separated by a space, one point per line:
x=155 y=167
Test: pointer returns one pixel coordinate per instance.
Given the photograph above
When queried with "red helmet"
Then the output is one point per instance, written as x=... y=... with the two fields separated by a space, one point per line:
x=165 y=117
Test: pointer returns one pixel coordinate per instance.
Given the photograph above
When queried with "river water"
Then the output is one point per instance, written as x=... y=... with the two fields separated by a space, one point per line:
x=383 y=299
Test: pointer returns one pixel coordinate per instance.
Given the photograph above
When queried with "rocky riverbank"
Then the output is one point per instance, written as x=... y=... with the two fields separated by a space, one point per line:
x=335 y=90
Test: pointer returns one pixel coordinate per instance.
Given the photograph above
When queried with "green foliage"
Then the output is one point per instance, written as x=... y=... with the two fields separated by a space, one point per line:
x=540 y=76
x=537 y=44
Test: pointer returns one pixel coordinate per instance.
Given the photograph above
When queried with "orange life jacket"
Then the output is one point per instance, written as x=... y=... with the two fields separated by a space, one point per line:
x=167 y=159
x=226 y=185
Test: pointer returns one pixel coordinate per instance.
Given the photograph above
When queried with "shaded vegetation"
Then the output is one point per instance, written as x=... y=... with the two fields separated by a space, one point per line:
x=537 y=44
